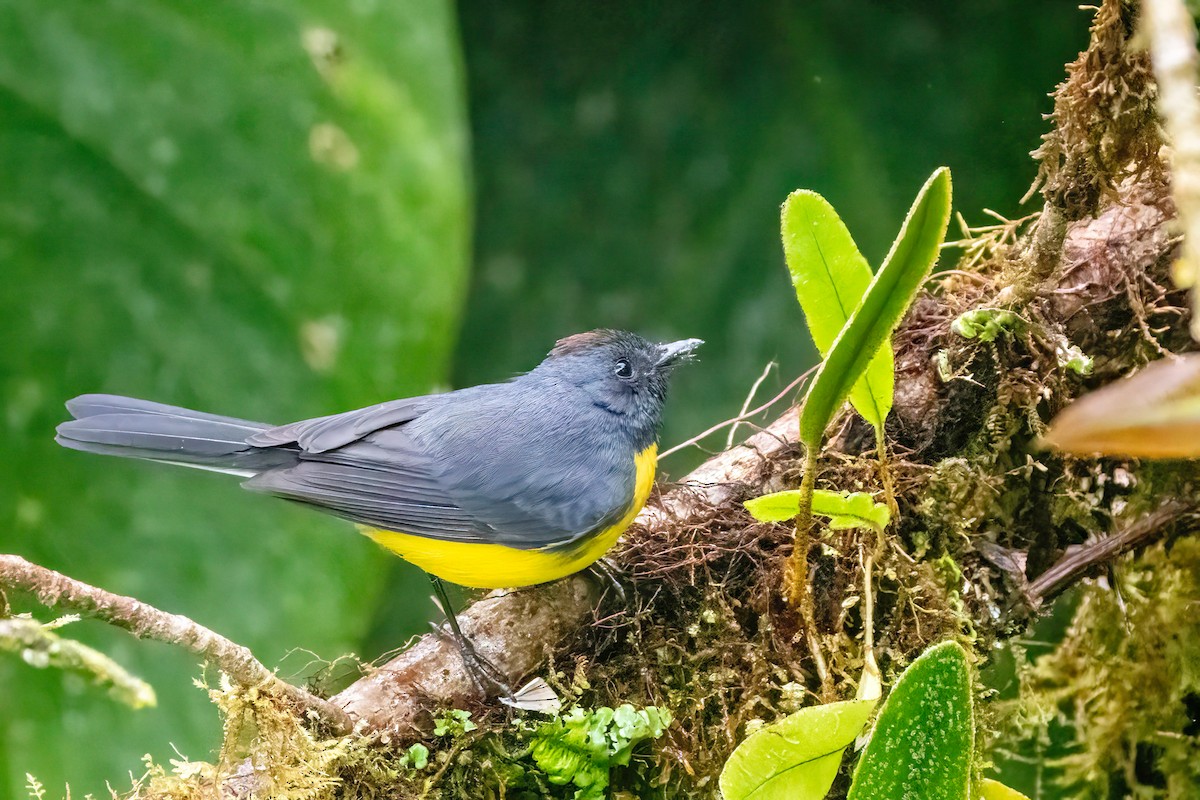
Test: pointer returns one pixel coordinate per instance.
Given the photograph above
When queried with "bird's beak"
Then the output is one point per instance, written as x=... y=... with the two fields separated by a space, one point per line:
x=674 y=352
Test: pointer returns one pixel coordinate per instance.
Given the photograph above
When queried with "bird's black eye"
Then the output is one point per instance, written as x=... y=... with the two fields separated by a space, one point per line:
x=623 y=369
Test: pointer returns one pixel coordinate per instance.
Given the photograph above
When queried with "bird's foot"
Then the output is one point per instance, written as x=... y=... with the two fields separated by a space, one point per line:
x=611 y=577
x=533 y=696
x=487 y=676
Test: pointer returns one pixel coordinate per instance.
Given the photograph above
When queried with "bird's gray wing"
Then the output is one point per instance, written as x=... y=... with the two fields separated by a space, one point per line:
x=391 y=486
x=322 y=434
x=483 y=480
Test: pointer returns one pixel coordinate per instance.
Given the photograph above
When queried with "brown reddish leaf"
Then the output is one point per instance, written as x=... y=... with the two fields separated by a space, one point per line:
x=1153 y=414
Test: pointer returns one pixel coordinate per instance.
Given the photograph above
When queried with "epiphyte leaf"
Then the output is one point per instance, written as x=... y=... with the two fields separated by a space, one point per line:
x=1153 y=414
x=844 y=509
x=923 y=740
x=830 y=276
x=883 y=305
x=796 y=758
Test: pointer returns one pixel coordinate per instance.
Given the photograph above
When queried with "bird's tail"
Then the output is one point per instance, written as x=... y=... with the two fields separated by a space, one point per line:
x=132 y=428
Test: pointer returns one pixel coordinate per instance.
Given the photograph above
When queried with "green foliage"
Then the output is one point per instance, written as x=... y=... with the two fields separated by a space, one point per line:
x=920 y=748
x=844 y=509
x=886 y=300
x=985 y=324
x=831 y=276
x=796 y=758
x=581 y=746
x=923 y=741
x=416 y=757
x=1073 y=359
x=454 y=722
x=259 y=210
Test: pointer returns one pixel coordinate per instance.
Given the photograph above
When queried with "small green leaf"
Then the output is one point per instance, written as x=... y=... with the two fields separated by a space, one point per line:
x=883 y=306
x=830 y=276
x=581 y=746
x=1154 y=414
x=415 y=757
x=845 y=509
x=775 y=507
x=796 y=758
x=455 y=722
x=1073 y=359
x=924 y=737
x=994 y=790
x=986 y=324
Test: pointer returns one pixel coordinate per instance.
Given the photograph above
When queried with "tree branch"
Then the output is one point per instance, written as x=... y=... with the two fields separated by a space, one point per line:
x=146 y=622
x=1078 y=561
x=41 y=647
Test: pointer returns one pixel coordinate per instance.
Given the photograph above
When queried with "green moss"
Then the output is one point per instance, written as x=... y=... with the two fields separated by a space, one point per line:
x=1120 y=708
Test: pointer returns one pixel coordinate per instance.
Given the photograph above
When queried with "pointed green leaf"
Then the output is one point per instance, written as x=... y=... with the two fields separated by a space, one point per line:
x=796 y=758
x=923 y=741
x=844 y=509
x=994 y=790
x=883 y=306
x=775 y=507
x=831 y=276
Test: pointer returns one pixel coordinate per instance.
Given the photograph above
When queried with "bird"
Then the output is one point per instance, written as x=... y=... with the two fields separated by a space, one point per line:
x=500 y=485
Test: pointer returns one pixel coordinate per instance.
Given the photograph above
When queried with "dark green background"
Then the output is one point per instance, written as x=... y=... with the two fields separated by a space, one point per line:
x=166 y=230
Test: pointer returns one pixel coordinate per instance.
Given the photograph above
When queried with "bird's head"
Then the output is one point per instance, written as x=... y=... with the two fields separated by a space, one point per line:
x=620 y=373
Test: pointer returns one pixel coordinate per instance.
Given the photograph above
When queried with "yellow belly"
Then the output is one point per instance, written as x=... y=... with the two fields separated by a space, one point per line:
x=494 y=566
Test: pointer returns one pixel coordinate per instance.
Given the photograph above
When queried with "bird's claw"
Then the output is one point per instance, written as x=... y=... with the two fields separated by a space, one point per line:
x=611 y=576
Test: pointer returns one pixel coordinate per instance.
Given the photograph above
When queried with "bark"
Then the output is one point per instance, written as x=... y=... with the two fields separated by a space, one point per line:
x=146 y=622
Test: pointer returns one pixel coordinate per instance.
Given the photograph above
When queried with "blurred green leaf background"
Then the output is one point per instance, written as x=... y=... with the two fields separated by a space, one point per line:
x=268 y=209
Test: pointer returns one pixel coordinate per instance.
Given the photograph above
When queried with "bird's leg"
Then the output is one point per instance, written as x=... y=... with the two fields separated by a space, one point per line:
x=483 y=672
x=610 y=575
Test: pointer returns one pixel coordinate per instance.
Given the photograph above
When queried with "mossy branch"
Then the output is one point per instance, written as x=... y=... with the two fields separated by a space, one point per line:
x=514 y=629
x=146 y=622
x=41 y=647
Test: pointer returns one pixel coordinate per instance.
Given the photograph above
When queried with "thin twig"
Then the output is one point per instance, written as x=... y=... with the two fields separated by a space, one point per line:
x=40 y=646
x=146 y=622
x=741 y=417
x=885 y=472
x=749 y=399
x=870 y=685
